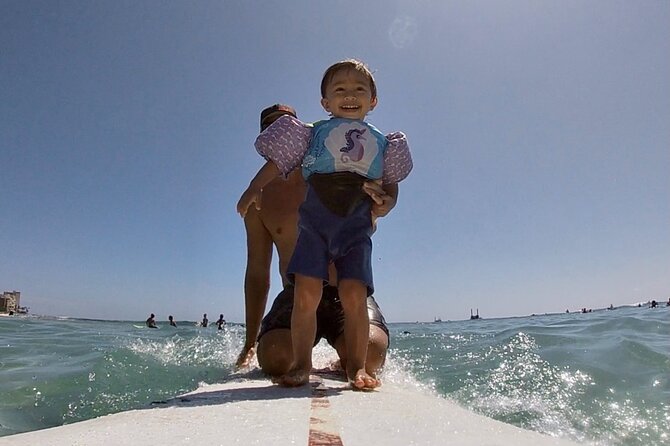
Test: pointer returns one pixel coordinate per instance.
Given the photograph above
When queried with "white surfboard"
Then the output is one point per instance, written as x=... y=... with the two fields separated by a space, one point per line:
x=326 y=412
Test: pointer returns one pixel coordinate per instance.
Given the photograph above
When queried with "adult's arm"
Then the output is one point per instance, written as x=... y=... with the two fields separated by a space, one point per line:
x=256 y=281
x=253 y=193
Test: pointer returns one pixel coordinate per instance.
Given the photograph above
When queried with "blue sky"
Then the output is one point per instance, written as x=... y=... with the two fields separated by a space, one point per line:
x=540 y=132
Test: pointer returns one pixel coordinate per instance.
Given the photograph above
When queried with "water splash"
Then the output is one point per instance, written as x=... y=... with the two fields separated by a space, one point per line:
x=562 y=376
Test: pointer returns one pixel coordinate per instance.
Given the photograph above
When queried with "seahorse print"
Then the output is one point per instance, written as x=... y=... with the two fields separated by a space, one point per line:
x=354 y=149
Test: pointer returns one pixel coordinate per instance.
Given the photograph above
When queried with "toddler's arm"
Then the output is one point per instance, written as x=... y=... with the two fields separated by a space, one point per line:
x=397 y=159
x=285 y=142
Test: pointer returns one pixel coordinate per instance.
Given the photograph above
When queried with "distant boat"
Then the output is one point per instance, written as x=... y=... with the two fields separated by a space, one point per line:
x=437 y=319
x=474 y=316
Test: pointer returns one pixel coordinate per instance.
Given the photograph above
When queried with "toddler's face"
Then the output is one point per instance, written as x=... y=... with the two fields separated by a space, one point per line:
x=348 y=95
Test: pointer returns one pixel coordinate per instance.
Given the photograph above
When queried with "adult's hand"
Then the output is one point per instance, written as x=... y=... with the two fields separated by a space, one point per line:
x=245 y=356
x=383 y=202
x=249 y=197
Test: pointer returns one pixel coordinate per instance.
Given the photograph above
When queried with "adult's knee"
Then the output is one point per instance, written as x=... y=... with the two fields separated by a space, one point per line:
x=275 y=352
x=377 y=347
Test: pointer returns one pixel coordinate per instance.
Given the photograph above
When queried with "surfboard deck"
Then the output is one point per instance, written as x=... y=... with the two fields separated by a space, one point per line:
x=326 y=412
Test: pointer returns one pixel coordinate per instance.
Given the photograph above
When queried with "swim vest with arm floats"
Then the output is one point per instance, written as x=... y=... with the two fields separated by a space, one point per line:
x=337 y=156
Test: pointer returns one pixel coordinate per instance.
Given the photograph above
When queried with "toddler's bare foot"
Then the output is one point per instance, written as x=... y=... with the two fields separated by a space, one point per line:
x=362 y=381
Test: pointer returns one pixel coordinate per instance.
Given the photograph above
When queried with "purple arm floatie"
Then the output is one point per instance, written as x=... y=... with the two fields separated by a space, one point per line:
x=397 y=159
x=285 y=143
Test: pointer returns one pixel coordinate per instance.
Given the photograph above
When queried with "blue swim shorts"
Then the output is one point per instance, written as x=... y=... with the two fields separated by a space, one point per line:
x=325 y=237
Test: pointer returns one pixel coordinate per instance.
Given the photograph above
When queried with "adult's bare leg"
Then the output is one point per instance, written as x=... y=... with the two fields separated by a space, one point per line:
x=378 y=344
x=275 y=352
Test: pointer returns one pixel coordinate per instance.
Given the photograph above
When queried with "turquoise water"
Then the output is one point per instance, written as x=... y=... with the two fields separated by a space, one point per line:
x=600 y=378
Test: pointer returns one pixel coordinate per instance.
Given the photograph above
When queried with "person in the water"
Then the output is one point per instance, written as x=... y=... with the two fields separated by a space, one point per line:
x=221 y=322
x=337 y=156
x=151 y=321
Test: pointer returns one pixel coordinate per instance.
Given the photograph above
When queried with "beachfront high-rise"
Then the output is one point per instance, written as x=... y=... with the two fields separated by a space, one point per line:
x=10 y=302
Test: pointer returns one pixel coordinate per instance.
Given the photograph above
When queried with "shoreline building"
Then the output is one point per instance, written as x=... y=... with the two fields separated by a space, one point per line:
x=10 y=302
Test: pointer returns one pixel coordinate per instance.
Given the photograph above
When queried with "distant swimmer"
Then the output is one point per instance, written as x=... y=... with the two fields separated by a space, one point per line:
x=205 y=321
x=151 y=322
x=668 y=303
x=654 y=304
x=172 y=322
x=221 y=322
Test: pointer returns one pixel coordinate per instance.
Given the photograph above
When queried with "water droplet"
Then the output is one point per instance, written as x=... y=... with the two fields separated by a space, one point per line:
x=403 y=31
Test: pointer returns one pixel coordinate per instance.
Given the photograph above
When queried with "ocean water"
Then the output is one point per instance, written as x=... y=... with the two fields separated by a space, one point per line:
x=601 y=378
